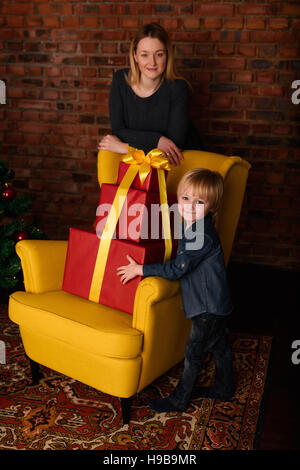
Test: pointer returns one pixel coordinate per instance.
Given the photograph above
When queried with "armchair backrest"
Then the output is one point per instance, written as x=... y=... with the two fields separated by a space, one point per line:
x=233 y=169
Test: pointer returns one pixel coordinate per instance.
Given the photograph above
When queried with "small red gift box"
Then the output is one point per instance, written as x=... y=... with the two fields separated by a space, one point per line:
x=140 y=219
x=80 y=263
x=150 y=183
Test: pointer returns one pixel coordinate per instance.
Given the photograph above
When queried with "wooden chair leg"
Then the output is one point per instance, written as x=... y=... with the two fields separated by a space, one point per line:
x=35 y=372
x=126 y=404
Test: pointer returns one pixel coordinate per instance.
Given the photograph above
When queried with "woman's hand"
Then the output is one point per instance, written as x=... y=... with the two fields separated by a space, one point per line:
x=113 y=144
x=130 y=271
x=172 y=152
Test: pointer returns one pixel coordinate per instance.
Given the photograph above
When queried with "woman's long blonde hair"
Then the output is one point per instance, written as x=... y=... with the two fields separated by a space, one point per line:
x=153 y=30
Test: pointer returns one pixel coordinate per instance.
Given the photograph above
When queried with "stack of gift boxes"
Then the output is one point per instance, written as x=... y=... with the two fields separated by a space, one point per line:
x=128 y=222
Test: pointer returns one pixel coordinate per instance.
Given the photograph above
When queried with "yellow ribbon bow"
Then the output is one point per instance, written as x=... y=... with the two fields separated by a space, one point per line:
x=155 y=159
x=138 y=163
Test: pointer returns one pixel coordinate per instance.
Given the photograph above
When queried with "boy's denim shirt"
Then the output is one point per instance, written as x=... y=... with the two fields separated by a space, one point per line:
x=202 y=272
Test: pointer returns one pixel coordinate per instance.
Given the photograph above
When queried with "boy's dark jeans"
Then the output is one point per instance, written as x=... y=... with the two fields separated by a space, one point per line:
x=208 y=332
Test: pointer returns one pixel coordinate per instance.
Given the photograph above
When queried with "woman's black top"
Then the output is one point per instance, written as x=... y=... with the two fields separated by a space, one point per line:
x=141 y=122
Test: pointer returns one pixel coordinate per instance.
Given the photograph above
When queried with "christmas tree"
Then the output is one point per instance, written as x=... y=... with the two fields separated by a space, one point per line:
x=13 y=228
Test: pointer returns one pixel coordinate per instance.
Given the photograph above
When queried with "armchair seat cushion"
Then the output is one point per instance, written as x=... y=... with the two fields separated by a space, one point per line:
x=85 y=325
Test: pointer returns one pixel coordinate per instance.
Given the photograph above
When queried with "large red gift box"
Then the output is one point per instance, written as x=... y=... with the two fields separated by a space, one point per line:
x=140 y=219
x=150 y=183
x=80 y=262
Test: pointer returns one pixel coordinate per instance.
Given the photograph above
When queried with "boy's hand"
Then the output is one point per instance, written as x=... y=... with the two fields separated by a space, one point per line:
x=130 y=271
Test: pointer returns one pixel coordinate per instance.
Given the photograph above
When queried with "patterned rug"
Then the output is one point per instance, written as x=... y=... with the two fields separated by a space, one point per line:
x=61 y=413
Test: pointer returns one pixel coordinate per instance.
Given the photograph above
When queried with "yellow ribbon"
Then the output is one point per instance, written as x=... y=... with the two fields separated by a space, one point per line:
x=138 y=163
x=155 y=159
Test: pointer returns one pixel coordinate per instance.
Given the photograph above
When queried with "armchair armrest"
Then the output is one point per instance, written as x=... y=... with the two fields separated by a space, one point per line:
x=150 y=291
x=43 y=264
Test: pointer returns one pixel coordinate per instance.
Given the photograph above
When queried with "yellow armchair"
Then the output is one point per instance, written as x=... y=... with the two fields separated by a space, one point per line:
x=107 y=349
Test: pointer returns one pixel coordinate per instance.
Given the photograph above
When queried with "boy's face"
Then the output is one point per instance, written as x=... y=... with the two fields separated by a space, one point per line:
x=191 y=207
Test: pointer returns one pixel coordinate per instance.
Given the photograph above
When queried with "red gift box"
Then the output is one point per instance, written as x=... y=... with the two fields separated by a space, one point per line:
x=150 y=183
x=140 y=219
x=80 y=262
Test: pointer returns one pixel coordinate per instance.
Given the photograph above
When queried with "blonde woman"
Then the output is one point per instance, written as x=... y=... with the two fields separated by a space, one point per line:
x=149 y=103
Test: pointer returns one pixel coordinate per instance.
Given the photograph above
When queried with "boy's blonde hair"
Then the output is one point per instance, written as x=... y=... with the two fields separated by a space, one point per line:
x=206 y=184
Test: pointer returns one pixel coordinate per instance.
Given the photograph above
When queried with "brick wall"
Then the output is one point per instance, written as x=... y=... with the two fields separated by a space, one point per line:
x=58 y=58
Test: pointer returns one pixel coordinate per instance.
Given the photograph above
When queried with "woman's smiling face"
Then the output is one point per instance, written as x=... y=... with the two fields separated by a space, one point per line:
x=151 y=57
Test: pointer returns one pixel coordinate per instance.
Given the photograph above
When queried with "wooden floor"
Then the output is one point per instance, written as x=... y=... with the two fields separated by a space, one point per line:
x=267 y=302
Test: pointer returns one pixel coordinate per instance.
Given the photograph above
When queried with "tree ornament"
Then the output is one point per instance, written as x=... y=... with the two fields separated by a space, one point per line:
x=21 y=236
x=8 y=194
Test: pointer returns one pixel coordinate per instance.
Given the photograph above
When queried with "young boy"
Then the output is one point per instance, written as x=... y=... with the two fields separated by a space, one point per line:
x=205 y=293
